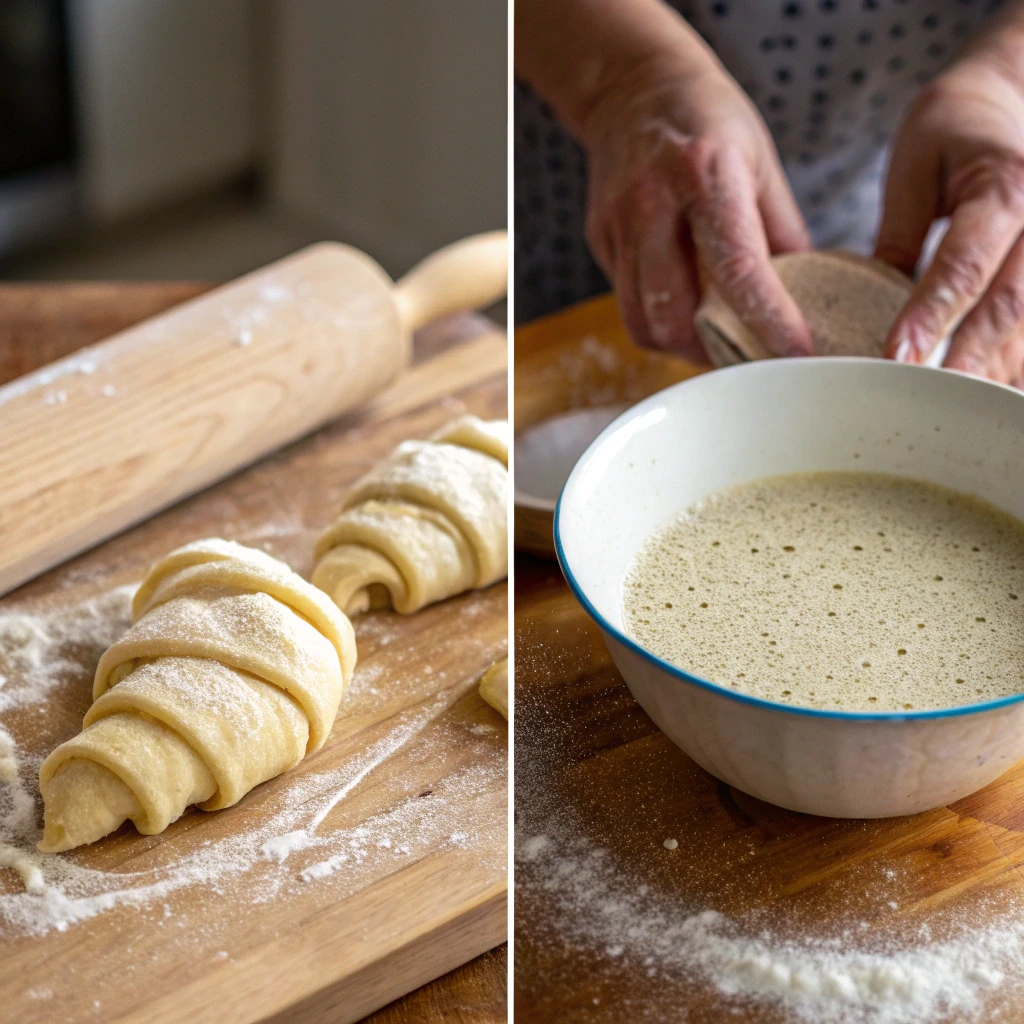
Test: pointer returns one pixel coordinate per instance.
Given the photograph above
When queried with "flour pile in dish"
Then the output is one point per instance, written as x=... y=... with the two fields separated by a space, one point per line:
x=851 y=591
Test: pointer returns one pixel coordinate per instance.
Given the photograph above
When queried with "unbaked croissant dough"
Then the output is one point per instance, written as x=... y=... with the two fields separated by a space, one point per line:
x=494 y=686
x=231 y=673
x=427 y=523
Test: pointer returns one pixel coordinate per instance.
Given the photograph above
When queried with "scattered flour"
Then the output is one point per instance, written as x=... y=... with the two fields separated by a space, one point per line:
x=82 y=363
x=597 y=898
x=815 y=979
x=248 y=319
x=597 y=374
x=40 y=653
x=532 y=848
x=279 y=848
x=275 y=292
x=604 y=356
x=37 y=653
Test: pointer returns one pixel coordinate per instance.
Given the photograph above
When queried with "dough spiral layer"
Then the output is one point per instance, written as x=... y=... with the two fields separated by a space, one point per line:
x=494 y=686
x=231 y=673
x=426 y=524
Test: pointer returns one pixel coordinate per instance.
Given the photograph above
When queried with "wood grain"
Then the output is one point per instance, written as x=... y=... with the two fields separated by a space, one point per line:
x=586 y=360
x=592 y=768
x=583 y=357
x=41 y=323
x=355 y=941
x=474 y=994
x=107 y=438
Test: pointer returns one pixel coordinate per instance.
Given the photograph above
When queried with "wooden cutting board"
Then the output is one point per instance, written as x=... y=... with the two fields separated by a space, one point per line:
x=418 y=883
x=599 y=789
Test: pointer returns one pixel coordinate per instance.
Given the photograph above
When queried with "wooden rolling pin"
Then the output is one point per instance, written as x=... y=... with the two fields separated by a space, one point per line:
x=104 y=439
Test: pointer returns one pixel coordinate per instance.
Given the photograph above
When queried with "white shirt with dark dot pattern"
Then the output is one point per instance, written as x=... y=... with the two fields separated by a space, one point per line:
x=832 y=79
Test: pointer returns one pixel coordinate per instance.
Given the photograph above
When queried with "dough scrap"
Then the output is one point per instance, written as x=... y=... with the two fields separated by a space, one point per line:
x=494 y=687
x=488 y=436
x=426 y=524
x=231 y=673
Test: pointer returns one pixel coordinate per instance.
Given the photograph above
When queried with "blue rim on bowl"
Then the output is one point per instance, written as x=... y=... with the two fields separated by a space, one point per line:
x=687 y=677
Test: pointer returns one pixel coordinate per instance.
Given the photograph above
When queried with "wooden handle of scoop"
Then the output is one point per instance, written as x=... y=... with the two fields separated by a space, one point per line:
x=469 y=274
x=106 y=438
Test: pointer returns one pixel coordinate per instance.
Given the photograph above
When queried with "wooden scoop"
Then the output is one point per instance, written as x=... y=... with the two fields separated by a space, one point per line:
x=849 y=302
x=96 y=442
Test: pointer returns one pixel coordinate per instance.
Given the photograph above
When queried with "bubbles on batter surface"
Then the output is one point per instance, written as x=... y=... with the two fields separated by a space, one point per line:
x=853 y=591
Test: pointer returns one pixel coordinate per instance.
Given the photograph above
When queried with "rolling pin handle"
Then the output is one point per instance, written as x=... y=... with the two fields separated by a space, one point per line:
x=468 y=274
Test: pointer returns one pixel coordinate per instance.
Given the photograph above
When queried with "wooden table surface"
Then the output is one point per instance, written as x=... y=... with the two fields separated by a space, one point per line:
x=599 y=789
x=40 y=323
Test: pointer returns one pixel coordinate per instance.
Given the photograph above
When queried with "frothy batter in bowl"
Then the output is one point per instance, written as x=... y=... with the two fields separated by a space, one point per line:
x=842 y=591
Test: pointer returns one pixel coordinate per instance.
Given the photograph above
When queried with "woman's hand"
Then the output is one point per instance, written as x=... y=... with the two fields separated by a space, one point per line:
x=683 y=171
x=684 y=175
x=960 y=154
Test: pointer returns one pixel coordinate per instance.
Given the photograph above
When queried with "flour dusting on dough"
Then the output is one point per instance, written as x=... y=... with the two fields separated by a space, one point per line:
x=43 y=653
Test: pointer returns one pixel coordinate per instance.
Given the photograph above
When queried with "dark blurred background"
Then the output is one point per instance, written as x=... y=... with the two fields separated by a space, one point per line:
x=190 y=139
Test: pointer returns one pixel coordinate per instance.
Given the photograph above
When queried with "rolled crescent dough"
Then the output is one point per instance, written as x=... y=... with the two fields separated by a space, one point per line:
x=494 y=686
x=230 y=674
x=427 y=523
x=849 y=302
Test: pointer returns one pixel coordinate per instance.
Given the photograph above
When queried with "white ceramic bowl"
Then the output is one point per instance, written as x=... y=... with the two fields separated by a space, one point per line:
x=786 y=416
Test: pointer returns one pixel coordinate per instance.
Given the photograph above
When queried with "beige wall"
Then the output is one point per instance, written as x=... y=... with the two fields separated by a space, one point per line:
x=164 y=91
x=377 y=122
x=389 y=120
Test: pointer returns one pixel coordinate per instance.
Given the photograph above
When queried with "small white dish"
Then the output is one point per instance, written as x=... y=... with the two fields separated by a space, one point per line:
x=785 y=416
x=544 y=457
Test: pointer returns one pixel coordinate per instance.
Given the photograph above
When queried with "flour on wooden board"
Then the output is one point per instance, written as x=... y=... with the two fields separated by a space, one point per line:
x=597 y=375
x=40 y=653
x=583 y=895
x=599 y=903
